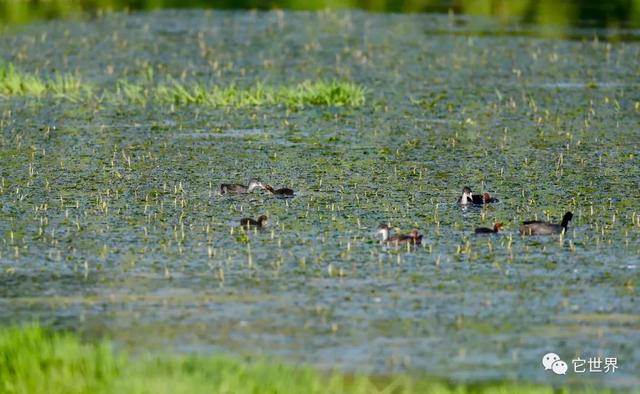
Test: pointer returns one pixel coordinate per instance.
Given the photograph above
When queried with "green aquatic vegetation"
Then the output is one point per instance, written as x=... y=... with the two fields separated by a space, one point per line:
x=35 y=360
x=321 y=93
x=127 y=92
x=14 y=82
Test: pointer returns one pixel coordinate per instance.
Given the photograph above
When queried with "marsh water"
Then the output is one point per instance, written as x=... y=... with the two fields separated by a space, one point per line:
x=111 y=223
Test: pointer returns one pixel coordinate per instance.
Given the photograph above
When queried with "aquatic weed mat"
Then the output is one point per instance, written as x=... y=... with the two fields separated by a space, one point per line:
x=111 y=221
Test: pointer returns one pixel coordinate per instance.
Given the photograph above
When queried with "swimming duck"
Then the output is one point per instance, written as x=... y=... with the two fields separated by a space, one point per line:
x=485 y=230
x=238 y=188
x=469 y=198
x=535 y=227
x=284 y=192
x=250 y=223
x=414 y=237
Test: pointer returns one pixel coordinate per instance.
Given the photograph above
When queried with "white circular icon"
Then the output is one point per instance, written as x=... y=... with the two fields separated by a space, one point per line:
x=549 y=359
x=559 y=367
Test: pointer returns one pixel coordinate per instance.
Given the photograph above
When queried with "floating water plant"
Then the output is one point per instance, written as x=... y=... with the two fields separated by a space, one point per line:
x=333 y=93
x=17 y=83
x=309 y=93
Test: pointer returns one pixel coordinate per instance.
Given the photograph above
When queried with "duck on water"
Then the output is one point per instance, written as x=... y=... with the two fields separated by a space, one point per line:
x=414 y=238
x=283 y=192
x=478 y=199
x=250 y=223
x=536 y=227
x=485 y=230
x=236 y=188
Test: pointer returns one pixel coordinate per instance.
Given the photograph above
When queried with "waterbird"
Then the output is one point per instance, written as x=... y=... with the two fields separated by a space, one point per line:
x=283 y=192
x=414 y=237
x=536 y=227
x=250 y=223
x=485 y=230
x=469 y=198
x=238 y=188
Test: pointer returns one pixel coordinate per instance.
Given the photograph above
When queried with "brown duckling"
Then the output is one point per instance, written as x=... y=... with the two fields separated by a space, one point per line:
x=485 y=230
x=250 y=223
x=283 y=192
x=469 y=198
x=414 y=238
x=536 y=227
x=237 y=188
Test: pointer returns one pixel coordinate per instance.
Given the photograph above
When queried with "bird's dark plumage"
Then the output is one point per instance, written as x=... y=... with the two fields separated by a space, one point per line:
x=478 y=199
x=250 y=223
x=484 y=230
x=536 y=227
x=236 y=188
x=283 y=192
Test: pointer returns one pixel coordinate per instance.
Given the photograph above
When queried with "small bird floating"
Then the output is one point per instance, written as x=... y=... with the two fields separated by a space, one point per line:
x=284 y=192
x=485 y=230
x=478 y=199
x=249 y=223
x=236 y=188
x=414 y=238
x=536 y=227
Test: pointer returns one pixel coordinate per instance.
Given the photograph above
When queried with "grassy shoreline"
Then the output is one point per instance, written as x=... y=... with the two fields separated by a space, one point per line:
x=34 y=359
x=17 y=83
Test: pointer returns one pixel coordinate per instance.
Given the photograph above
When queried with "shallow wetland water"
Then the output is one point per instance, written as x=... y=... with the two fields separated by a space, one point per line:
x=111 y=222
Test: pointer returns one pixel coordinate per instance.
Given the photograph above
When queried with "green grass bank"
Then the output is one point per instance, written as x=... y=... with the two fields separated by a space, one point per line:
x=36 y=360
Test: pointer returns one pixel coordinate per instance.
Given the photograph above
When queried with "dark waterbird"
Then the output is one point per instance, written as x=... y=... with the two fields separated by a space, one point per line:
x=237 y=188
x=283 y=192
x=485 y=230
x=469 y=198
x=250 y=223
x=535 y=227
x=414 y=238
